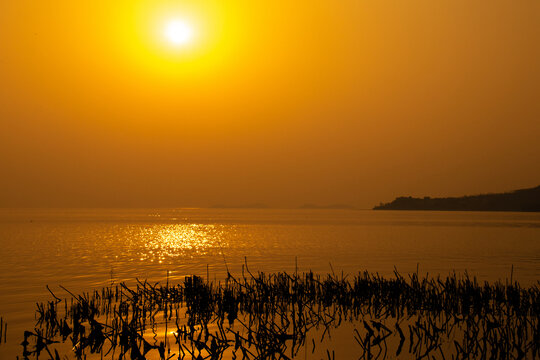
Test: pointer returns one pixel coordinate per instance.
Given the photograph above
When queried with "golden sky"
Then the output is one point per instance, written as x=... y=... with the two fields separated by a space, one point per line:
x=277 y=102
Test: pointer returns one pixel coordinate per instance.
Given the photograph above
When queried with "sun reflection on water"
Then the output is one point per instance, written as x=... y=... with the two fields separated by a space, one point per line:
x=181 y=240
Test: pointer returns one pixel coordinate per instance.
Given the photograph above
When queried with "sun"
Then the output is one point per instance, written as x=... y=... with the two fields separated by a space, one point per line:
x=178 y=32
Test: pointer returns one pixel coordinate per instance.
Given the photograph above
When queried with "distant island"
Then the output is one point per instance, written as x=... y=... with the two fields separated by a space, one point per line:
x=242 y=206
x=518 y=200
x=328 y=207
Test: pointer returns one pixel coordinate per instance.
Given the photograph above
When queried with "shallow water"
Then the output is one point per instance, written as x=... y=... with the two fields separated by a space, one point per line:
x=83 y=249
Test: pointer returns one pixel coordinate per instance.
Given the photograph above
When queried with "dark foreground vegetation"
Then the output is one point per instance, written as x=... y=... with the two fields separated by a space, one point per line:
x=3 y=330
x=519 y=200
x=285 y=316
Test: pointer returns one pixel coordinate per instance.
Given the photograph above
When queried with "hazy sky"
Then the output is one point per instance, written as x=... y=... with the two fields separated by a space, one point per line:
x=278 y=102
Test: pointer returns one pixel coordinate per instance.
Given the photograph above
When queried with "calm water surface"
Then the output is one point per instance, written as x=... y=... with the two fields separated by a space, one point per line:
x=84 y=249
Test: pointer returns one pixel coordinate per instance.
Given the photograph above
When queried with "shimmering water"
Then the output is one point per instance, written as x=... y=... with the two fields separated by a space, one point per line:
x=84 y=249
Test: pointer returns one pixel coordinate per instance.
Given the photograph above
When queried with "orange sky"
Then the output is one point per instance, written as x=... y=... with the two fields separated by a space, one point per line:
x=277 y=102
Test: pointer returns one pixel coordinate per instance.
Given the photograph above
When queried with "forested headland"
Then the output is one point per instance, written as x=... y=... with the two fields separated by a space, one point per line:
x=518 y=200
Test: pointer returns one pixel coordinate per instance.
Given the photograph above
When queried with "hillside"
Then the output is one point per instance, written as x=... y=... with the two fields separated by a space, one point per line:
x=518 y=200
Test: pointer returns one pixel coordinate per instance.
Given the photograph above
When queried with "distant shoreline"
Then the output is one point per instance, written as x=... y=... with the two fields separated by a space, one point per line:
x=523 y=200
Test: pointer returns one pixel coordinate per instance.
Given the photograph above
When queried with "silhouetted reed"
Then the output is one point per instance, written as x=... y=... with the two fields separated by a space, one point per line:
x=268 y=316
x=3 y=330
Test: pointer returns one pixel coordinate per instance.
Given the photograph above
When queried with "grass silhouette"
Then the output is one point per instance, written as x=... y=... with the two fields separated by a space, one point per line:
x=269 y=316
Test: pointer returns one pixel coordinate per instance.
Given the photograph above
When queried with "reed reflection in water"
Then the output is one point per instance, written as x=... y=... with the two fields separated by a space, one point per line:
x=271 y=316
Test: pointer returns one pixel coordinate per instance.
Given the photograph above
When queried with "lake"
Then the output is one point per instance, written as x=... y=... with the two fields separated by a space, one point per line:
x=84 y=249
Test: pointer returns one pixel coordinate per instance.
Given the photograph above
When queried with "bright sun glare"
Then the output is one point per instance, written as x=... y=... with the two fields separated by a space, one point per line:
x=178 y=32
